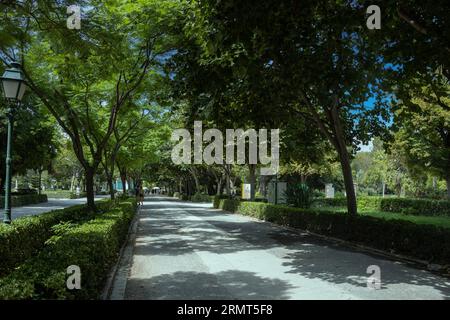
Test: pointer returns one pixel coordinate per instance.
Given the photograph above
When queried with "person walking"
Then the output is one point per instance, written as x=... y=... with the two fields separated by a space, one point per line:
x=141 y=195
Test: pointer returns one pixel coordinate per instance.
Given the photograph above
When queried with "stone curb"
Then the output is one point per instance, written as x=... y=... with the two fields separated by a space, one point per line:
x=116 y=282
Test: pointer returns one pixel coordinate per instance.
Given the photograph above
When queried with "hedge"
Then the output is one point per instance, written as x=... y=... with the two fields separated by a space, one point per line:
x=24 y=199
x=27 y=235
x=93 y=246
x=421 y=241
x=199 y=197
x=77 y=196
x=426 y=207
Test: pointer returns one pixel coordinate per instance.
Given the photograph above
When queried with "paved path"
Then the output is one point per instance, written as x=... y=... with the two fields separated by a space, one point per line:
x=191 y=251
x=52 y=204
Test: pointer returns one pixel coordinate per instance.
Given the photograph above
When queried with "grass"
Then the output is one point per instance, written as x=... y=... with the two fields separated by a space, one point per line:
x=58 y=194
x=437 y=221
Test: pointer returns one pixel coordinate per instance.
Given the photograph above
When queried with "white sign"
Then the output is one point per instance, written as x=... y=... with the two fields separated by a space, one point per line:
x=246 y=191
x=329 y=190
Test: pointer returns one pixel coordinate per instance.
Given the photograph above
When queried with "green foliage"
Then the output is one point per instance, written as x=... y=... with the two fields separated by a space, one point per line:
x=422 y=241
x=77 y=196
x=416 y=206
x=27 y=235
x=199 y=197
x=92 y=245
x=424 y=207
x=299 y=195
x=34 y=138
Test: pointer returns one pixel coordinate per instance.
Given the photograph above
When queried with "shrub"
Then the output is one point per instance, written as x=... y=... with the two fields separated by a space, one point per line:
x=299 y=195
x=422 y=241
x=27 y=235
x=92 y=245
x=77 y=196
x=426 y=207
x=19 y=200
x=23 y=191
x=184 y=197
x=199 y=197
x=330 y=202
x=176 y=195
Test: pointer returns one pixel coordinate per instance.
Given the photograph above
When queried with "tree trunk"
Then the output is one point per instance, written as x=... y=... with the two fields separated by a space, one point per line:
x=193 y=171
x=40 y=182
x=219 y=186
x=348 y=182
x=72 y=183
x=252 y=180
x=89 y=184
x=384 y=188
x=123 y=177
x=344 y=158
x=111 y=187
x=227 y=180
x=448 y=187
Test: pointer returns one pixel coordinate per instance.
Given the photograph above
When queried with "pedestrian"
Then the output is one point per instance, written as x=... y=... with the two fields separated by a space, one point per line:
x=136 y=193
x=141 y=195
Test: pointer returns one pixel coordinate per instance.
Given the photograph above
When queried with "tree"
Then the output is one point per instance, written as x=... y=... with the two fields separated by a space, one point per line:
x=322 y=67
x=86 y=77
x=34 y=139
x=422 y=133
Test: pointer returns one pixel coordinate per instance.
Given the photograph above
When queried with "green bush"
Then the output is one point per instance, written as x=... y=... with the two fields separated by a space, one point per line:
x=91 y=245
x=184 y=197
x=24 y=199
x=425 y=207
x=299 y=195
x=422 y=241
x=23 y=191
x=27 y=235
x=77 y=196
x=330 y=202
x=199 y=197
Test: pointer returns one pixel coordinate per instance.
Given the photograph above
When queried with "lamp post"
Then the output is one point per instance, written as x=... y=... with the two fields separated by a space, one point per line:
x=13 y=84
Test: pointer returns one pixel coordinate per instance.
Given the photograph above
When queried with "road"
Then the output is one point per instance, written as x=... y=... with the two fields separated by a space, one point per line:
x=52 y=204
x=184 y=250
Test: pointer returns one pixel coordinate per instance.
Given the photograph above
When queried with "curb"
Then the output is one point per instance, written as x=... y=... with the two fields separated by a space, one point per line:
x=115 y=286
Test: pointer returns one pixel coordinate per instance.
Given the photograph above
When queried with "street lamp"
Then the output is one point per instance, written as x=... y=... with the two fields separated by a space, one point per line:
x=13 y=85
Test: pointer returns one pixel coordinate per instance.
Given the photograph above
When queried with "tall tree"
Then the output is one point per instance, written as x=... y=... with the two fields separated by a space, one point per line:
x=85 y=77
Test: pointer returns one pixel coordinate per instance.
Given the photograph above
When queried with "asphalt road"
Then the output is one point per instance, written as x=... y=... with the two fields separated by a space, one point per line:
x=191 y=251
x=52 y=204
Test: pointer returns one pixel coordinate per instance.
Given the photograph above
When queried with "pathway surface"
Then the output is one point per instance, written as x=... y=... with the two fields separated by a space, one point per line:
x=190 y=251
x=52 y=204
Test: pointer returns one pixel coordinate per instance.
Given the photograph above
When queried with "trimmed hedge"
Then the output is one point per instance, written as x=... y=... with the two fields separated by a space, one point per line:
x=24 y=199
x=199 y=197
x=426 y=242
x=77 y=196
x=425 y=207
x=92 y=245
x=27 y=235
